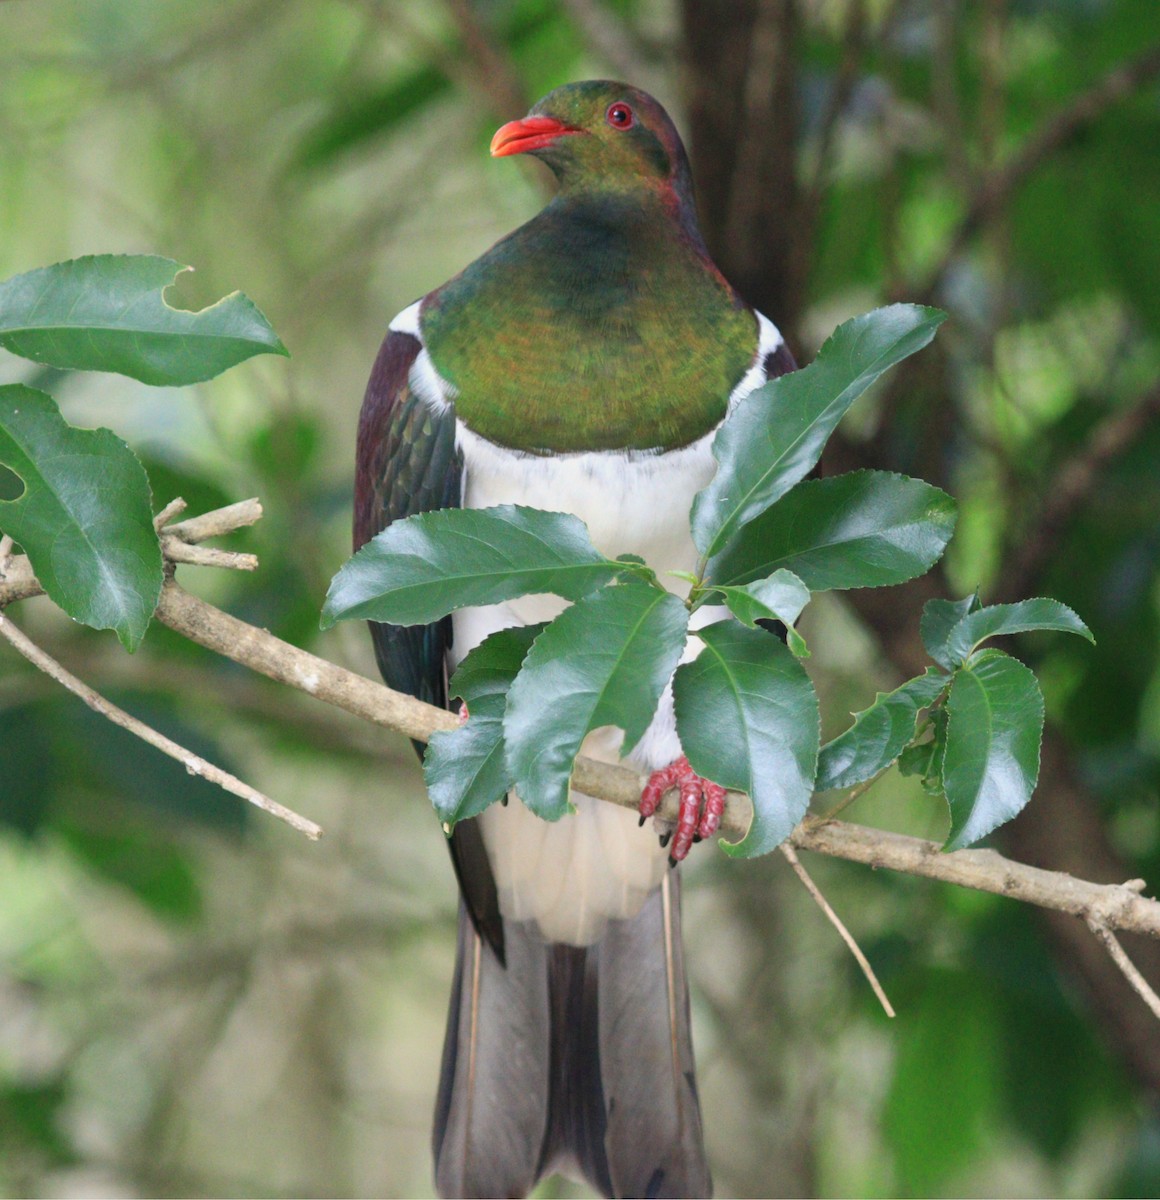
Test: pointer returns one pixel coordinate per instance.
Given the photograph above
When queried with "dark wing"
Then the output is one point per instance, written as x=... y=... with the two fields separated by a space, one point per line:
x=407 y=463
x=778 y=362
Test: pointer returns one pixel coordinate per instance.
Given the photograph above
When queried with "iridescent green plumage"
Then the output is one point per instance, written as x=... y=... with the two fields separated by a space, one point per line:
x=601 y=324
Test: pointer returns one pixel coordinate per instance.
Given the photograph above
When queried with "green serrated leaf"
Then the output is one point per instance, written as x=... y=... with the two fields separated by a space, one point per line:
x=465 y=768
x=107 y=312
x=776 y=434
x=932 y=783
x=420 y=569
x=781 y=597
x=84 y=518
x=1024 y=617
x=879 y=733
x=635 y=567
x=863 y=529
x=939 y=617
x=489 y=669
x=991 y=760
x=603 y=661
x=747 y=717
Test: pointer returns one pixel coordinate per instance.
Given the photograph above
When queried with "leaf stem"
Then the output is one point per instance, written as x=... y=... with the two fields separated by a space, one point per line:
x=853 y=794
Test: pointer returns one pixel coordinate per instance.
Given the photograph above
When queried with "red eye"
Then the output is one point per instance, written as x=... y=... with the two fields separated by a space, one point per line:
x=619 y=116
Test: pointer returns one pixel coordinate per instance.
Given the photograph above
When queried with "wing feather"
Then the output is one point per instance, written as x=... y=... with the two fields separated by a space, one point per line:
x=406 y=463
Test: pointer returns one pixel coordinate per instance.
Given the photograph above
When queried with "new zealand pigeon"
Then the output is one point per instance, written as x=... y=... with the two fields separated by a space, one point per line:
x=581 y=365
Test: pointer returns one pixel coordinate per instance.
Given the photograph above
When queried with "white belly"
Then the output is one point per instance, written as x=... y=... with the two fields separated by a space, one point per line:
x=574 y=874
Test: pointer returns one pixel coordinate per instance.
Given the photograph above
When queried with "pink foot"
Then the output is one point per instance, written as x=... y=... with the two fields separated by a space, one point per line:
x=702 y=804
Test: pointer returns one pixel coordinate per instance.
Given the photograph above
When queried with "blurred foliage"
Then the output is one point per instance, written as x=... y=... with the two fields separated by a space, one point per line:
x=190 y=1001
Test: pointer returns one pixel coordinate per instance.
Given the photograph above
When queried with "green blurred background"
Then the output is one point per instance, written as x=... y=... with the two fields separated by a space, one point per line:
x=195 y=1001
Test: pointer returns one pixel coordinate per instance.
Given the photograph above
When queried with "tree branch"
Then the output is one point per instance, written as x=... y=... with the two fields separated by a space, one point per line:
x=494 y=73
x=1111 y=944
x=815 y=892
x=193 y=763
x=998 y=187
x=1114 y=906
x=1072 y=485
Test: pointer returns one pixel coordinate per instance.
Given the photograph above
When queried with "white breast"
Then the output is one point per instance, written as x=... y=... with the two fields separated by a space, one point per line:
x=574 y=875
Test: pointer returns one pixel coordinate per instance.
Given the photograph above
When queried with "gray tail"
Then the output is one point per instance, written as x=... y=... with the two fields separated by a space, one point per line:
x=572 y=1059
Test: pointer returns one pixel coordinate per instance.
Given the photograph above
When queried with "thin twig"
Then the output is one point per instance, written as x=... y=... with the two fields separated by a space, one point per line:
x=998 y=187
x=611 y=38
x=494 y=73
x=193 y=763
x=174 y=508
x=1139 y=984
x=853 y=794
x=846 y=936
x=1073 y=484
x=219 y=522
x=207 y=556
x=6 y=544
x=17 y=580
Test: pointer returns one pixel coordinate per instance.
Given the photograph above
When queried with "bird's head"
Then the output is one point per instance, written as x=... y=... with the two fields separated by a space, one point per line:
x=601 y=135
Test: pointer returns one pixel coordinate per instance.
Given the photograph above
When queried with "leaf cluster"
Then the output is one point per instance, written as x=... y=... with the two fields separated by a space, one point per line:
x=84 y=515
x=745 y=708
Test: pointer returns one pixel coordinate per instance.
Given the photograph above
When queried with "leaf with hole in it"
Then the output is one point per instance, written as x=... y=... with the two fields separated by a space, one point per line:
x=879 y=734
x=862 y=529
x=464 y=768
x=939 y=617
x=107 y=312
x=926 y=758
x=603 y=661
x=421 y=568
x=991 y=759
x=776 y=434
x=994 y=620
x=917 y=759
x=747 y=717
x=781 y=597
x=84 y=517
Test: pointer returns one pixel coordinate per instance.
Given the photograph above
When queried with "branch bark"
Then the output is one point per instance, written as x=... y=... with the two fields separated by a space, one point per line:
x=1112 y=906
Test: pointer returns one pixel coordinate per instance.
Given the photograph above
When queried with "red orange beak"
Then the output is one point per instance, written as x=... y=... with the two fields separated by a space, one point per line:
x=532 y=133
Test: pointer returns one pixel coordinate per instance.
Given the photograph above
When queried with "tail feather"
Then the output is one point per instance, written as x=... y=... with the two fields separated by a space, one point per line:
x=574 y=1059
x=654 y=1140
x=492 y=1106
